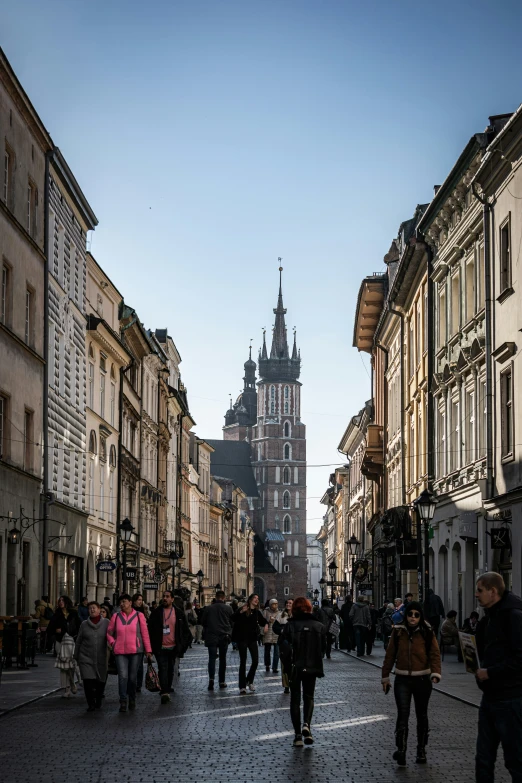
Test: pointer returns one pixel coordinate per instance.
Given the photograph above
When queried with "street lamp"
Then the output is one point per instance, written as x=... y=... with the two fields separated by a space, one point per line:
x=126 y=531
x=353 y=546
x=200 y=576
x=173 y=557
x=322 y=584
x=316 y=595
x=14 y=536
x=424 y=506
x=332 y=568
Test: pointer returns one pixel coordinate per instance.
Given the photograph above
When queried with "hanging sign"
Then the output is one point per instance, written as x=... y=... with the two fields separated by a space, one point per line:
x=131 y=573
x=106 y=565
x=150 y=586
x=500 y=538
x=360 y=570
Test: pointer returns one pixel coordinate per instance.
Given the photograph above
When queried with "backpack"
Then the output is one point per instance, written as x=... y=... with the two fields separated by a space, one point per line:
x=398 y=616
x=48 y=613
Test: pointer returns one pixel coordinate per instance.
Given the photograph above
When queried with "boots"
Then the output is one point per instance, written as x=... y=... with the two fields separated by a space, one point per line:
x=422 y=741
x=401 y=738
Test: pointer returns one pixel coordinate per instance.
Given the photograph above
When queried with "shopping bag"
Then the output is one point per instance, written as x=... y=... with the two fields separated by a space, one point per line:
x=152 y=679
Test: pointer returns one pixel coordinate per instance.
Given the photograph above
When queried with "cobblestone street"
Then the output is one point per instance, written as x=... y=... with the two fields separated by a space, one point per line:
x=221 y=736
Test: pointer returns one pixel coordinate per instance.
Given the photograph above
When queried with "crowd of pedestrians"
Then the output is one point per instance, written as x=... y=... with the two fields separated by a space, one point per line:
x=93 y=639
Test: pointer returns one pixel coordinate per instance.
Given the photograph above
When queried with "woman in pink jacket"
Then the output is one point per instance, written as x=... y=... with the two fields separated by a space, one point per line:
x=128 y=638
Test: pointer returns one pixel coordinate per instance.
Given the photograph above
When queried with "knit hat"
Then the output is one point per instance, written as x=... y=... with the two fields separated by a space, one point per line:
x=417 y=607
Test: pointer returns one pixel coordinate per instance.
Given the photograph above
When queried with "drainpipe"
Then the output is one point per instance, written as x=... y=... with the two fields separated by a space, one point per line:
x=45 y=417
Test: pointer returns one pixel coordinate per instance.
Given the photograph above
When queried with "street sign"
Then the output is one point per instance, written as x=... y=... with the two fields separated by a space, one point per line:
x=106 y=565
x=150 y=586
x=131 y=573
x=364 y=586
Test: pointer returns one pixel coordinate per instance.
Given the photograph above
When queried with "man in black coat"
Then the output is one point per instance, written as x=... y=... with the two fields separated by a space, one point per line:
x=499 y=644
x=169 y=638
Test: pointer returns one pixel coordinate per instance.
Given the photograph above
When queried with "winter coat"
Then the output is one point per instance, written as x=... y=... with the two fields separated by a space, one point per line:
x=59 y=625
x=414 y=654
x=387 y=622
x=246 y=626
x=270 y=637
x=217 y=622
x=302 y=644
x=360 y=614
x=433 y=606
x=449 y=632
x=83 y=612
x=499 y=645
x=91 y=649
x=128 y=634
x=182 y=634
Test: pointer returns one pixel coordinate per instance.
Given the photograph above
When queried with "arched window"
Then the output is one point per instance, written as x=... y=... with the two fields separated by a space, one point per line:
x=286 y=476
x=112 y=457
x=287 y=524
x=286 y=499
x=276 y=498
x=103 y=449
x=272 y=399
x=92 y=442
x=288 y=451
x=287 y=429
x=287 y=397
x=287 y=393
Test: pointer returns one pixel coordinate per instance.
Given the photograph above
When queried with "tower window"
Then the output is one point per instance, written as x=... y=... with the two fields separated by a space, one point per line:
x=286 y=568
x=286 y=499
x=272 y=399
x=288 y=451
x=286 y=476
x=287 y=429
x=287 y=524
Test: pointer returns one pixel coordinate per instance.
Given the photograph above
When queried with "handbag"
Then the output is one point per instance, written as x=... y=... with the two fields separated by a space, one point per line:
x=334 y=629
x=152 y=679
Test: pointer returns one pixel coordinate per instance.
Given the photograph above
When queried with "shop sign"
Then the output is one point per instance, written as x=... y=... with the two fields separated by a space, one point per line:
x=150 y=586
x=106 y=565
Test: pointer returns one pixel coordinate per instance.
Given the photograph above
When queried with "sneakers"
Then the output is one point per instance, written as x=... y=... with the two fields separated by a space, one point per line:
x=223 y=685
x=242 y=691
x=307 y=735
x=165 y=698
x=251 y=687
x=123 y=705
x=211 y=685
x=298 y=741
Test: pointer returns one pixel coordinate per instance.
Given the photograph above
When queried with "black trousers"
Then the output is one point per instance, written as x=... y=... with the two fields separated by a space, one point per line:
x=329 y=639
x=307 y=683
x=244 y=647
x=93 y=690
x=166 y=660
x=420 y=689
x=370 y=639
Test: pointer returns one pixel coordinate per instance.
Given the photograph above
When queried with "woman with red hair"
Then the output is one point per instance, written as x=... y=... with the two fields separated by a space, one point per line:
x=302 y=644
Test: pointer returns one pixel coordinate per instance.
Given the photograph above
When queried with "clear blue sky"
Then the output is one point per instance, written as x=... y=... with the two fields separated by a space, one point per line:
x=212 y=136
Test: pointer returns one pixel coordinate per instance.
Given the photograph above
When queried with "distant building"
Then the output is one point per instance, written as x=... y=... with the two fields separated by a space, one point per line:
x=315 y=566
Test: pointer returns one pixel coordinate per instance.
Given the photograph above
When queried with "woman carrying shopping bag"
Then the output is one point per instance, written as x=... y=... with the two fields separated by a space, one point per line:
x=64 y=627
x=128 y=637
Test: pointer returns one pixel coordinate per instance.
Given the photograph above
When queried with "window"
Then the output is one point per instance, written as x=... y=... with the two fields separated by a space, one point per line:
x=286 y=476
x=287 y=524
x=286 y=499
x=506 y=413
x=112 y=457
x=112 y=404
x=8 y=177
x=455 y=303
x=28 y=440
x=286 y=567
x=277 y=474
x=6 y=294
x=91 y=486
x=287 y=429
x=296 y=548
x=32 y=209
x=91 y=386
x=470 y=425
x=454 y=457
x=480 y=278
x=297 y=499
x=442 y=317
x=470 y=288
x=3 y=427
x=287 y=397
x=29 y=306
x=92 y=442
x=505 y=256
x=103 y=449
x=272 y=399
x=288 y=451
x=102 y=393
x=411 y=349
x=286 y=591
x=72 y=271
x=482 y=419
x=102 y=491
x=419 y=333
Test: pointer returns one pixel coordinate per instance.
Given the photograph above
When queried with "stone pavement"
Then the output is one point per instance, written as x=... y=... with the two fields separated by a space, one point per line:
x=455 y=679
x=19 y=686
x=204 y=737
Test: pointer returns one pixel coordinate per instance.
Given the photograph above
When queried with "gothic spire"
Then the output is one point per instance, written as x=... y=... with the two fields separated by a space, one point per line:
x=279 y=348
x=263 y=353
x=294 y=349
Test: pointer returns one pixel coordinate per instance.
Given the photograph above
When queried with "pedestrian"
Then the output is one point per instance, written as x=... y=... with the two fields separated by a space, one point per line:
x=154 y=605
x=169 y=637
x=43 y=612
x=245 y=631
x=83 y=609
x=398 y=613
x=327 y=617
x=433 y=610
x=64 y=627
x=449 y=633
x=303 y=643
x=107 y=603
x=192 y=620
x=90 y=652
x=105 y=612
x=270 y=639
x=361 y=621
x=278 y=626
x=408 y=598
x=217 y=626
x=471 y=623
x=372 y=631
x=414 y=650
x=347 y=635
x=387 y=624
x=140 y=606
x=128 y=637
x=499 y=646
x=199 y=628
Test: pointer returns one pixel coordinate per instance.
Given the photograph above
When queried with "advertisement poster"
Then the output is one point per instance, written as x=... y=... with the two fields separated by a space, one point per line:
x=469 y=652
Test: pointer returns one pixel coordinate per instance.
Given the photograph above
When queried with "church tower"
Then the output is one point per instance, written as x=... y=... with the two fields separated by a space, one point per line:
x=242 y=415
x=279 y=460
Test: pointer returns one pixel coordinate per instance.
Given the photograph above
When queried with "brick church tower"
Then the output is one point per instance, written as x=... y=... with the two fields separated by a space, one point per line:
x=278 y=440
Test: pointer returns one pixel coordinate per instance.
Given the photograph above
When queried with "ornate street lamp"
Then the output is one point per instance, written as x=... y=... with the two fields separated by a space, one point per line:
x=424 y=506
x=14 y=536
x=353 y=545
x=173 y=558
x=332 y=569
x=322 y=585
x=316 y=595
x=126 y=531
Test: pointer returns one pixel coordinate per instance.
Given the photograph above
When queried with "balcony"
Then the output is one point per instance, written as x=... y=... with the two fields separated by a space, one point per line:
x=373 y=458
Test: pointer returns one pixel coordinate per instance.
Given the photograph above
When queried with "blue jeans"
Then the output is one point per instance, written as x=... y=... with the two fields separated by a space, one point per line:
x=275 y=659
x=139 y=676
x=500 y=722
x=127 y=666
x=360 y=638
x=212 y=655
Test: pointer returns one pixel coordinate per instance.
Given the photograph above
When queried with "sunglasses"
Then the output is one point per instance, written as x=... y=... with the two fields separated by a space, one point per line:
x=413 y=614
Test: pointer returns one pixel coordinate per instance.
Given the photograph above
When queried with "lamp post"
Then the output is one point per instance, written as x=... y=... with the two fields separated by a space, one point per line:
x=332 y=569
x=353 y=546
x=126 y=531
x=173 y=557
x=322 y=585
x=425 y=508
x=316 y=595
x=200 y=576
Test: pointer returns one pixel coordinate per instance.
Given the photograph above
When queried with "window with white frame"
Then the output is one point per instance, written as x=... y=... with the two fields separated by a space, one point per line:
x=286 y=591
x=286 y=499
x=102 y=393
x=506 y=414
x=286 y=475
x=469 y=435
x=90 y=398
x=479 y=252
x=455 y=434
x=102 y=491
x=29 y=315
x=286 y=567
x=287 y=524
x=112 y=411
x=411 y=347
x=505 y=255
x=287 y=451
x=441 y=316
x=470 y=287
x=287 y=399
x=455 y=302
x=287 y=429
x=32 y=207
x=482 y=418
x=8 y=177
x=5 y=294
x=91 y=485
